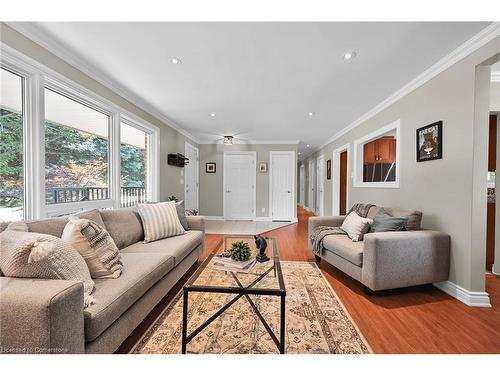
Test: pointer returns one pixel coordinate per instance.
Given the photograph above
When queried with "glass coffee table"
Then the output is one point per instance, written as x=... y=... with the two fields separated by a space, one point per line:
x=265 y=279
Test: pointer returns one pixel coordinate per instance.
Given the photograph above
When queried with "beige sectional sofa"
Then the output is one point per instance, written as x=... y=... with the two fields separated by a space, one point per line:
x=48 y=316
x=387 y=260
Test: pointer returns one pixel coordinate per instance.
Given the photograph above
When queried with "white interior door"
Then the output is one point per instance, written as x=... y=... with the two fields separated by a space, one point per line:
x=191 y=178
x=282 y=185
x=239 y=185
x=320 y=178
x=302 y=176
x=311 y=188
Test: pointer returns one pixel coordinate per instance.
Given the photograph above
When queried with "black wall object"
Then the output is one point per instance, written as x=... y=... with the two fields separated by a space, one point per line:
x=177 y=160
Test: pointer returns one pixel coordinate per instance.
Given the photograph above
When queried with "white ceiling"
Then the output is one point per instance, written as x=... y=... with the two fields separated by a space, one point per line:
x=262 y=79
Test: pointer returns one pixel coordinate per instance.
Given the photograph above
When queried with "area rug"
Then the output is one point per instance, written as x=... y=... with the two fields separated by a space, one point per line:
x=316 y=320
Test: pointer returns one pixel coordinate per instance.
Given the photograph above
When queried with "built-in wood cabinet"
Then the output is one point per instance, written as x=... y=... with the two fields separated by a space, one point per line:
x=380 y=151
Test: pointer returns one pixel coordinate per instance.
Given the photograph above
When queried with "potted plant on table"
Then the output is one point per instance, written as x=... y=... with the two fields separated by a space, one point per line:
x=240 y=251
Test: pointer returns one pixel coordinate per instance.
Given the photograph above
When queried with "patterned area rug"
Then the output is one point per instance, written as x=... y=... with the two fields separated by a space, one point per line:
x=316 y=320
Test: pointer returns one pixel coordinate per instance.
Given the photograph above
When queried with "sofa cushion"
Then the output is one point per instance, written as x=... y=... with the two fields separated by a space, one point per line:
x=178 y=247
x=356 y=226
x=95 y=245
x=124 y=225
x=414 y=216
x=160 y=220
x=42 y=256
x=55 y=225
x=383 y=222
x=342 y=246
x=115 y=296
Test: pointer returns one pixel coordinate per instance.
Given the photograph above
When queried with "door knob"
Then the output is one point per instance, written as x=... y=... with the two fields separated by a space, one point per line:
x=228 y=191
x=289 y=192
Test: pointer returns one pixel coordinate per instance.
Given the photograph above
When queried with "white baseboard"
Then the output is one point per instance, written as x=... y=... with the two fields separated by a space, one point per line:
x=262 y=218
x=213 y=217
x=476 y=299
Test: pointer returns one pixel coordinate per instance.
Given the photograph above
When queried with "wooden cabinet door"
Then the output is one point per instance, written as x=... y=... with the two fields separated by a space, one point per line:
x=369 y=153
x=386 y=150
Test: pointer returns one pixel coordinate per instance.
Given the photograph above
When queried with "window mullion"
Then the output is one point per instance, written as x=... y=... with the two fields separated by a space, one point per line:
x=115 y=160
x=34 y=147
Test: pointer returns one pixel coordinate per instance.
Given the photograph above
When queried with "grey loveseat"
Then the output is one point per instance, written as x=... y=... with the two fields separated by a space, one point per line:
x=40 y=316
x=387 y=260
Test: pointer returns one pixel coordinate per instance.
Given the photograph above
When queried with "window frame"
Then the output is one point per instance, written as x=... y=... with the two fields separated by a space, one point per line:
x=152 y=177
x=359 y=157
x=37 y=77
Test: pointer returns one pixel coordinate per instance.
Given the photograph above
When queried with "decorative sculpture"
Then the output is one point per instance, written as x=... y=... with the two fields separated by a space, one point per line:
x=261 y=244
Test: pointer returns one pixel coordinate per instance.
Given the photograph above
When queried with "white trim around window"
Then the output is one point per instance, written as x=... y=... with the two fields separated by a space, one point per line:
x=358 y=156
x=37 y=77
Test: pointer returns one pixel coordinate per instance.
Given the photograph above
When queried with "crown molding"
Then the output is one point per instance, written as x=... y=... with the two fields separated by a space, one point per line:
x=477 y=41
x=237 y=141
x=495 y=76
x=42 y=38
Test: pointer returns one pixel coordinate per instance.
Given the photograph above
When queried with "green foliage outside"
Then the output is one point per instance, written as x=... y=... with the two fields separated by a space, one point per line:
x=73 y=159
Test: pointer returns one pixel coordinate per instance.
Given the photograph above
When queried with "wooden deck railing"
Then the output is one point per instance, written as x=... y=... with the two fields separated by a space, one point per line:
x=129 y=196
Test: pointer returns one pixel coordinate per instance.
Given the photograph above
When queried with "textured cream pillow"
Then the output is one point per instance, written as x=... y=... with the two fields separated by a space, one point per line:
x=42 y=256
x=356 y=226
x=160 y=220
x=95 y=245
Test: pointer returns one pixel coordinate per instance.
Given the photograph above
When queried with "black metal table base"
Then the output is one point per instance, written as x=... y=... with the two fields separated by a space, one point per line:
x=240 y=292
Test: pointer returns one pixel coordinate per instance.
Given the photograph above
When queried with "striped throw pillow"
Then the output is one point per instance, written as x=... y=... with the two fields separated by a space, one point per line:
x=160 y=220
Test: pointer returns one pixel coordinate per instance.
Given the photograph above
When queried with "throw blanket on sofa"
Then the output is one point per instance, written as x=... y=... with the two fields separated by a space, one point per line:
x=321 y=232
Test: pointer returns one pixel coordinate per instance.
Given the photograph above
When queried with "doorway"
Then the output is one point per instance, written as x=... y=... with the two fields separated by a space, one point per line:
x=311 y=204
x=282 y=185
x=239 y=185
x=302 y=192
x=191 y=178
x=491 y=208
x=320 y=178
x=340 y=175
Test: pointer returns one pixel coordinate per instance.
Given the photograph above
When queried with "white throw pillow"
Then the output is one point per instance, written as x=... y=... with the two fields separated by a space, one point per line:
x=95 y=245
x=356 y=226
x=42 y=256
x=160 y=220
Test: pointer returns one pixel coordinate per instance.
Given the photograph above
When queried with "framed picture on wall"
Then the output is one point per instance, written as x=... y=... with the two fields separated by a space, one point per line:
x=210 y=167
x=430 y=142
x=263 y=167
x=328 y=169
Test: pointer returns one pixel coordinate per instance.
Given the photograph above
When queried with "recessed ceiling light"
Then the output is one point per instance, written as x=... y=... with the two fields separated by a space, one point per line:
x=175 y=60
x=311 y=113
x=307 y=145
x=349 y=55
x=212 y=115
x=299 y=153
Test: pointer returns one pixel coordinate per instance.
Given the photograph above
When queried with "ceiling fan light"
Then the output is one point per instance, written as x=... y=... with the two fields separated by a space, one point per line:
x=228 y=140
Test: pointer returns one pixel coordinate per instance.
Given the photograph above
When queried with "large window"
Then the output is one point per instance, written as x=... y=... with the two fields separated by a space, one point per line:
x=76 y=151
x=134 y=151
x=11 y=147
x=64 y=148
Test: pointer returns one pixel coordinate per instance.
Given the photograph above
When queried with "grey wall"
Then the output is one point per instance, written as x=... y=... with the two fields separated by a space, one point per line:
x=495 y=97
x=442 y=189
x=171 y=141
x=211 y=184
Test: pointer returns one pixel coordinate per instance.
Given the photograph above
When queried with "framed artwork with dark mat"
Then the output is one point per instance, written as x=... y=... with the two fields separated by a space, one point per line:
x=328 y=169
x=430 y=142
x=210 y=167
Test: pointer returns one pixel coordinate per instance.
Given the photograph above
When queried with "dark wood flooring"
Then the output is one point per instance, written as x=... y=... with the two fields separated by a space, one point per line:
x=411 y=320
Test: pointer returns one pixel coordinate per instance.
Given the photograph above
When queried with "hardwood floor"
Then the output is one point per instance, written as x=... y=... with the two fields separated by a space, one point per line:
x=411 y=320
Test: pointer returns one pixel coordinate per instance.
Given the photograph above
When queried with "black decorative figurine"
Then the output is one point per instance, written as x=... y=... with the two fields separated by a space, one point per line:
x=261 y=244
